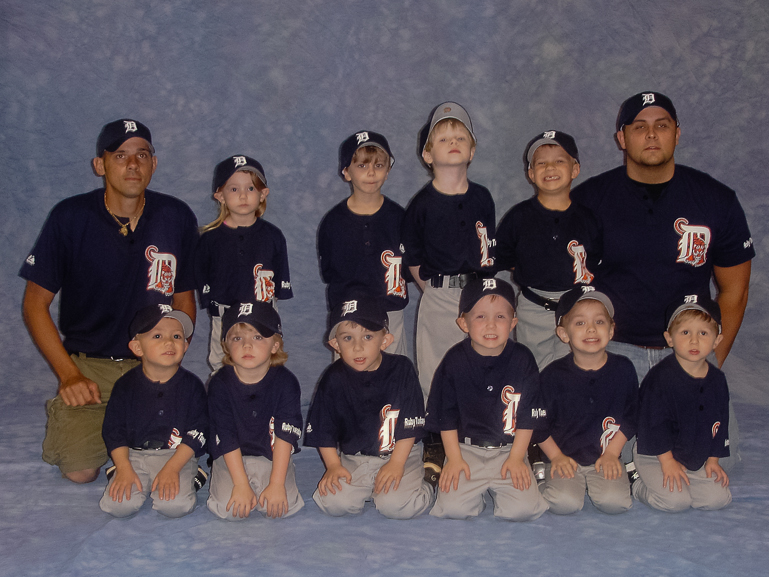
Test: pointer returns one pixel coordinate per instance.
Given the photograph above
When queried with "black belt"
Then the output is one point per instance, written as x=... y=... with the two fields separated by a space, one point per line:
x=151 y=446
x=547 y=304
x=484 y=444
x=455 y=280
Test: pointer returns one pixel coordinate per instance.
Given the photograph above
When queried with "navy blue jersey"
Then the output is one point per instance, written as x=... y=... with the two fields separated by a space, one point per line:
x=550 y=250
x=683 y=414
x=242 y=264
x=366 y=412
x=104 y=277
x=361 y=254
x=654 y=251
x=249 y=416
x=146 y=414
x=450 y=234
x=585 y=409
x=486 y=399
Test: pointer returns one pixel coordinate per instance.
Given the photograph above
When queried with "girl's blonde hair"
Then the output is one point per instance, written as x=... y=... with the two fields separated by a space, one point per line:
x=224 y=211
x=277 y=359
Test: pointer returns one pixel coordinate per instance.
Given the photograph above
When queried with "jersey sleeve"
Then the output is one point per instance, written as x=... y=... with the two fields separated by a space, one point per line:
x=283 y=290
x=185 y=279
x=47 y=261
x=114 y=429
x=656 y=420
x=506 y=243
x=321 y=429
x=223 y=430
x=202 y=264
x=627 y=402
x=734 y=245
x=720 y=445
x=412 y=233
x=196 y=429
x=325 y=249
x=288 y=413
x=412 y=406
x=442 y=402
x=531 y=412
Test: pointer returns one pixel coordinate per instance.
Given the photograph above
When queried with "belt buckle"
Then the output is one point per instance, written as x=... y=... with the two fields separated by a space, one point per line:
x=550 y=305
x=455 y=281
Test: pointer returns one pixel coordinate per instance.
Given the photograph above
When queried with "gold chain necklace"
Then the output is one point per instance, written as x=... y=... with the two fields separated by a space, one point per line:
x=124 y=226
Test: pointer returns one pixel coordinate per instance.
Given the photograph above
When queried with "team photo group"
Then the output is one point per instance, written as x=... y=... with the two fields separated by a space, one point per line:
x=569 y=347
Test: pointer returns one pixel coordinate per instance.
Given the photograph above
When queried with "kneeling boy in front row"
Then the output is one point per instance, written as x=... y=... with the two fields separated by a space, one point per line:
x=484 y=398
x=366 y=419
x=156 y=420
x=591 y=397
x=683 y=426
x=256 y=418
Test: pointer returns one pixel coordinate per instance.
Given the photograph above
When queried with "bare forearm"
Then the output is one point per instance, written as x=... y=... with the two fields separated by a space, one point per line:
x=234 y=462
x=401 y=451
x=185 y=301
x=281 y=456
x=521 y=443
x=330 y=457
x=733 y=287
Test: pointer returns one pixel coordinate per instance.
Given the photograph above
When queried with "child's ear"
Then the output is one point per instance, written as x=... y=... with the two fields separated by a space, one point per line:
x=575 y=170
x=462 y=324
x=265 y=193
x=334 y=345
x=346 y=175
x=719 y=338
x=513 y=322
x=561 y=332
x=219 y=196
x=427 y=157
x=136 y=347
x=668 y=338
x=530 y=172
x=387 y=341
x=472 y=153
x=275 y=347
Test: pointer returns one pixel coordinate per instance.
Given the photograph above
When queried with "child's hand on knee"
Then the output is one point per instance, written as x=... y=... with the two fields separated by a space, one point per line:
x=242 y=500
x=332 y=478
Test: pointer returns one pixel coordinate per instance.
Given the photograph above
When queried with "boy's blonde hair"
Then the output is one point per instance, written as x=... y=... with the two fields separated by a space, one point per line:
x=224 y=212
x=277 y=359
x=447 y=123
x=366 y=154
x=692 y=314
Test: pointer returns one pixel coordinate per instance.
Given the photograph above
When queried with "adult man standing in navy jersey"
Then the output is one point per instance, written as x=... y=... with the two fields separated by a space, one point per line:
x=110 y=252
x=668 y=230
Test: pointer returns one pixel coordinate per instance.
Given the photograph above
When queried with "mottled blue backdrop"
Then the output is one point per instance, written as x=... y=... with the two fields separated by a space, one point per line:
x=286 y=82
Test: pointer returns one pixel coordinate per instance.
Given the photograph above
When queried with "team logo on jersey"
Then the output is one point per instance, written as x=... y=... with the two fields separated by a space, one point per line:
x=715 y=428
x=578 y=252
x=162 y=271
x=511 y=399
x=610 y=428
x=396 y=285
x=239 y=161
x=264 y=287
x=362 y=137
x=694 y=242
x=130 y=126
x=349 y=307
x=31 y=260
x=486 y=243
x=175 y=439
x=388 y=418
x=648 y=98
x=272 y=433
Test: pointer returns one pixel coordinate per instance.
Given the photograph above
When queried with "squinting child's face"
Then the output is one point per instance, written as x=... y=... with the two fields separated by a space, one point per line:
x=489 y=324
x=693 y=339
x=359 y=347
x=552 y=169
x=587 y=329
x=248 y=349
x=161 y=347
x=451 y=146
x=242 y=198
x=368 y=174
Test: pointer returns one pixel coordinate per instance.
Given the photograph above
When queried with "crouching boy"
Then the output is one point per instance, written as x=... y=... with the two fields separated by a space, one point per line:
x=366 y=419
x=591 y=398
x=683 y=423
x=484 y=401
x=256 y=418
x=156 y=420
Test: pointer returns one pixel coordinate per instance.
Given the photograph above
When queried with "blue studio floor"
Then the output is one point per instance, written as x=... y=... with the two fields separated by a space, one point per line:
x=50 y=526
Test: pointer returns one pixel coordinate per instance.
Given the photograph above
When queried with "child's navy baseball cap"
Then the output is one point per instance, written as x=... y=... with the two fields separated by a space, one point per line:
x=440 y=112
x=147 y=319
x=478 y=288
x=367 y=311
x=115 y=133
x=358 y=140
x=581 y=293
x=229 y=166
x=561 y=139
x=699 y=302
x=635 y=104
x=260 y=315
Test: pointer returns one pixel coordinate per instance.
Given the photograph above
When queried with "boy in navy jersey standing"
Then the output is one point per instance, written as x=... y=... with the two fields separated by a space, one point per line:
x=156 y=420
x=366 y=419
x=484 y=402
x=359 y=244
x=550 y=243
x=683 y=426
